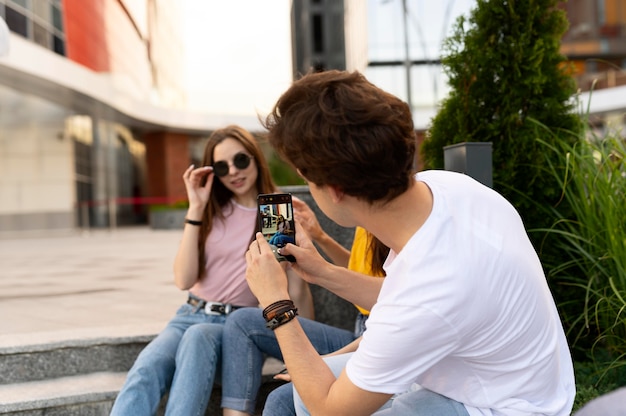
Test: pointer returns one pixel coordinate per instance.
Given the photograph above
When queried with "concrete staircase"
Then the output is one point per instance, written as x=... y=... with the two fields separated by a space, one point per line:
x=72 y=376
x=80 y=376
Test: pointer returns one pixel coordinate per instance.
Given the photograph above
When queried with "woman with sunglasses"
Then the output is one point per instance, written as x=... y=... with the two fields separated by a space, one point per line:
x=282 y=235
x=210 y=264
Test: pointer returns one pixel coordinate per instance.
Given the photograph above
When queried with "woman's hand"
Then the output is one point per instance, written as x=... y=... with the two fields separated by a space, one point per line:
x=283 y=375
x=197 y=193
x=307 y=219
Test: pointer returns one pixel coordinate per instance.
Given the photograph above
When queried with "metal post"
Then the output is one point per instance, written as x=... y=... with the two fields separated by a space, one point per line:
x=407 y=58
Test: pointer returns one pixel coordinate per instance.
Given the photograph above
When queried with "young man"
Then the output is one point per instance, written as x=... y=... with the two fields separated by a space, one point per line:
x=464 y=322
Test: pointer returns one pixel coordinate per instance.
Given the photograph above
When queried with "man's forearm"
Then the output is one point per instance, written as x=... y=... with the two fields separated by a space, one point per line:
x=309 y=373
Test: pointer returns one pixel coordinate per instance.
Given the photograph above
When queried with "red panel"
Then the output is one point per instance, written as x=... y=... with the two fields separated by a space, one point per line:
x=167 y=157
x=85 y=33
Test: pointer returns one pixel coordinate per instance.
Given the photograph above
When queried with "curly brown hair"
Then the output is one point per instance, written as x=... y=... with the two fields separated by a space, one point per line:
x=336 y=128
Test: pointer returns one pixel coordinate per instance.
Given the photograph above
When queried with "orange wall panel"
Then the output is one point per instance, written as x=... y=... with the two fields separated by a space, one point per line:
x=167 y=157
x=85 y=33
x=611 y=14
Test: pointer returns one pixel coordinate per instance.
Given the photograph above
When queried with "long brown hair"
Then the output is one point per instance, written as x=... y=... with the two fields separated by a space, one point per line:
x=220 y=194
x=378 y=252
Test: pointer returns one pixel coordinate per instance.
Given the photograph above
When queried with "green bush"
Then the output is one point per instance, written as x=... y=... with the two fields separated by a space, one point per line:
x=504 y=69
x=592 y=380
x=591 y=173
x=182 y=204
x=282 y=173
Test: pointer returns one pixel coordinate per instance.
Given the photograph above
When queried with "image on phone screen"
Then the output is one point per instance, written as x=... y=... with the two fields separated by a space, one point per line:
x=276 y=222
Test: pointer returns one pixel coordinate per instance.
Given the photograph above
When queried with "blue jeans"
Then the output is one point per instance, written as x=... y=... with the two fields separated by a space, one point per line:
x=184 y=359
x=419 y=402
x=246 y=343
x=280 y=400
x=280 y=240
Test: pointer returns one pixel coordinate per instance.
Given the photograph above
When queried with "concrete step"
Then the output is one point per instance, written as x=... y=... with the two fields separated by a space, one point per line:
x=58 y=355
x=82 y=395
x=89 y=395
x=81 y=373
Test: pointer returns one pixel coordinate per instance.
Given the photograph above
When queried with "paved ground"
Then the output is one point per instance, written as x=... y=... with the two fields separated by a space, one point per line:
x=87 y=284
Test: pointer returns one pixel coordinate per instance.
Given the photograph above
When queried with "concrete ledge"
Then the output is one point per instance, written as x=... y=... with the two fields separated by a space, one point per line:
x=60 y=392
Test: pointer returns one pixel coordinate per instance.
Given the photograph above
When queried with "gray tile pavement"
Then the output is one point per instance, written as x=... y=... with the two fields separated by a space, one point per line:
x=87 y=285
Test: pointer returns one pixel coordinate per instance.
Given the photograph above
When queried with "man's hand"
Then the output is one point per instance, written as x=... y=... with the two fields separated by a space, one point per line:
x=264 y=274
x=309 y=263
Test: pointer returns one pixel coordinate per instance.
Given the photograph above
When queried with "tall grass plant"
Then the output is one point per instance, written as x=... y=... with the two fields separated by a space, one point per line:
x=591 y=238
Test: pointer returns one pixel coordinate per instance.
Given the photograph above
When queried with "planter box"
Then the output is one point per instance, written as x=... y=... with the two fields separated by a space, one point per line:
x=471 y=158
x=168 y=219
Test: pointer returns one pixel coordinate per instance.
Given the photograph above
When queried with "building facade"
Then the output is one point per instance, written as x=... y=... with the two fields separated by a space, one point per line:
x=328 y=34
x=93 y=126
x=596 y=44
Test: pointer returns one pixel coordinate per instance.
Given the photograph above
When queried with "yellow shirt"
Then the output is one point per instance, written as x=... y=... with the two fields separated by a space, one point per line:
x=360 y=258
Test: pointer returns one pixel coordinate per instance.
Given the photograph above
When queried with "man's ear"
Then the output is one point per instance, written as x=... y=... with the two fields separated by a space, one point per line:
x=336 y=193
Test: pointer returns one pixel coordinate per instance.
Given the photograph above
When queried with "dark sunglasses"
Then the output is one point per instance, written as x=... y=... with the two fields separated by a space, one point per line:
x=240 y=161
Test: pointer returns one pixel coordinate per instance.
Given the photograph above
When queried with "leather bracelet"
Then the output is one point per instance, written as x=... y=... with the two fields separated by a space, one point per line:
x=193 y=222
x=281 y=318
x=277 y=307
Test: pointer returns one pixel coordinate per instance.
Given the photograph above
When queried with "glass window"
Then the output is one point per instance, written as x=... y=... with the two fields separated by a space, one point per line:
x=42 y=10
x=41 y=35
x=59 y=45
x=40 y=21
x=57 y=19
x=318 y=34
x=17 y=22
x=23 y=3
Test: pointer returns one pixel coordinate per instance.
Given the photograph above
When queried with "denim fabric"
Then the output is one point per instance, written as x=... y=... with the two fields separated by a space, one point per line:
x=184 y=359
x=359 y=324
x=418 y=402
x=246 y=343
x=280 y=401
x=422 y=402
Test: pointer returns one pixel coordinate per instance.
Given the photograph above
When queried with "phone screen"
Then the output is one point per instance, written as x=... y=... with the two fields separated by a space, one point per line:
x=276 y=222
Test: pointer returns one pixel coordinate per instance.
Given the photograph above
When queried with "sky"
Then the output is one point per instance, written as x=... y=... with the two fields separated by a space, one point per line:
x=428 y=24
x=238 y=54
x=239 y=51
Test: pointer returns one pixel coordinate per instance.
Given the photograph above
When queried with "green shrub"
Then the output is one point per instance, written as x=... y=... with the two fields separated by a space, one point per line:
x=282 y=173
x=505 y=68
x=592 y=176
x=592 y=381
x=182 y=204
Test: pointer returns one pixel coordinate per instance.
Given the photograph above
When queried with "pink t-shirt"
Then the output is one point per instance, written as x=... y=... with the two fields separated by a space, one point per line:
x=224 y=279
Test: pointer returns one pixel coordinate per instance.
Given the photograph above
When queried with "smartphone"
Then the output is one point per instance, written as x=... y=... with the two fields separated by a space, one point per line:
x=276 y=222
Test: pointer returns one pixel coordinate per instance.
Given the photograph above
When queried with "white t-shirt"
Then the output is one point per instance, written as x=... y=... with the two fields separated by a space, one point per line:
x=465 y=311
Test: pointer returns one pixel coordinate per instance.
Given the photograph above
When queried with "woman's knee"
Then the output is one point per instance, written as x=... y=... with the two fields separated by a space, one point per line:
x=245 y=320
x=203 y=334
